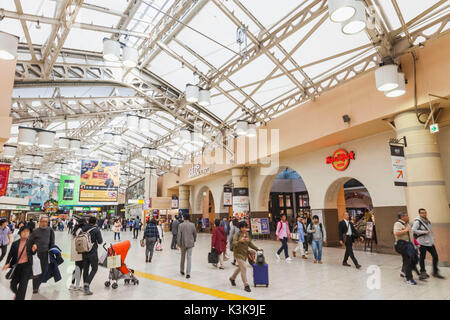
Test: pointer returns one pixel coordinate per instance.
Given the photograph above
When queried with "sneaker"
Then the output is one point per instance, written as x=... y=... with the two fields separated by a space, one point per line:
x=182 y=273
x=87 y=291
x=233 y=282
x=402 y=274
x=346 y=264
x=411 y=282
x=423 y=276
x=73 y=288
x=79 y=288
x=358 y=266
x=277 y=256
x=288 y=259
x=320 y=262
x=294 y=254
x=221 y=268
x=437 y=275
x=188 y=276
x=304 y=257
x=247 y=288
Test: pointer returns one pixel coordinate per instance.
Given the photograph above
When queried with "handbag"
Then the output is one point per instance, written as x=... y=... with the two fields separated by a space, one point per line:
x=213 y=257
x=10 y=274
x=114 y=262
x=37 y=270
x=142 y=243
x=294 y=236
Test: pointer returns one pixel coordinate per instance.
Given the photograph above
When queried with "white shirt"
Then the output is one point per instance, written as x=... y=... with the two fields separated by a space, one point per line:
x=283 y=230
x=349 y=229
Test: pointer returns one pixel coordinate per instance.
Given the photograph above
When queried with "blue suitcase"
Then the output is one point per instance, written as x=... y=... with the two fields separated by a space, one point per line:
x=261 y=275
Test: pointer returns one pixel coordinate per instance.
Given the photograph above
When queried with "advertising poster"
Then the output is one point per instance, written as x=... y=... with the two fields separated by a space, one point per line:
x=256 y=226
x=135 y=191
x=99 y=181
x=36 y=190
x=174 y=202
x=241 y=203
x=227 y=196
x=205 y=223
x=264 y=225
x=69 y=187
x=4 y=176
x=369 y=230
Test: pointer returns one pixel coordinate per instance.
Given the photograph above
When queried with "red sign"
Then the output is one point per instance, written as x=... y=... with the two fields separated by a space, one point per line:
x=341 y=159
x=4 y=176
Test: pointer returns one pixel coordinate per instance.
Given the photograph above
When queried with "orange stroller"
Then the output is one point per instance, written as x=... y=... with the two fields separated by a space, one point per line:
x=122 y=272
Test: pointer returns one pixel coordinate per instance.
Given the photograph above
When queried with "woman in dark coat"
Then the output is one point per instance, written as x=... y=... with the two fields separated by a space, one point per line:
x=21 y=255
x=219 y=242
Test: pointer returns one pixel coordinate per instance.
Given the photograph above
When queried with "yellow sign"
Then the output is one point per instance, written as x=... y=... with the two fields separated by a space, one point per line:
x=99 y=181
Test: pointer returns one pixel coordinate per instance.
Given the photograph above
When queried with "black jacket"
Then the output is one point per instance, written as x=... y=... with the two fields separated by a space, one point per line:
x=343 y=230
x=13 y=254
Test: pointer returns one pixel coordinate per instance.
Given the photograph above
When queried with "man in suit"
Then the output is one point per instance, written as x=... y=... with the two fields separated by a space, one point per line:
x=175 y=224
x=186 y=237
x=347 y=234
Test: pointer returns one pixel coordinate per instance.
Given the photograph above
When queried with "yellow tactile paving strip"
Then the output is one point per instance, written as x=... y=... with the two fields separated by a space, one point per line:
x=189 y=286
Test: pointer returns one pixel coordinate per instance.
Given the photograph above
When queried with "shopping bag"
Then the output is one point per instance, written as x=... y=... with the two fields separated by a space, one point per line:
x=114 y=262
x=102 y=258
x=37 y=270
x=213 y=257
x=294 y=236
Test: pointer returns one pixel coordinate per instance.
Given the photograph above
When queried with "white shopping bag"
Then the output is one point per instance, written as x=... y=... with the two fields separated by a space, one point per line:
x=114 y=262
x=102 y=257
x=37 y=270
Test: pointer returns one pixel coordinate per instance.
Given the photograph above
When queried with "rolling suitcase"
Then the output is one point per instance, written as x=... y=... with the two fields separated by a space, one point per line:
x=261 y=275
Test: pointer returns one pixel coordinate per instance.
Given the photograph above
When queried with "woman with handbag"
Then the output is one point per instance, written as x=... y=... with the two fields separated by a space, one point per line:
x=151 y=235
x=20 y=261
x=219 y=242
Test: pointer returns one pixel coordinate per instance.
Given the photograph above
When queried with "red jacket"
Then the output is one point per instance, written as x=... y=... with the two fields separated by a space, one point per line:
x=219 y=240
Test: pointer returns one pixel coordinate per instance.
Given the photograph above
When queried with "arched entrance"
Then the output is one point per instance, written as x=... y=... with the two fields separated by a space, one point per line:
x=288 y=195
x=205 y=205
x=349 y=194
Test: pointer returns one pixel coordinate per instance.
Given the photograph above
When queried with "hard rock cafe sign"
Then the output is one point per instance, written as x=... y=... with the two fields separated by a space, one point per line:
x=195 y=171
x=341 y=159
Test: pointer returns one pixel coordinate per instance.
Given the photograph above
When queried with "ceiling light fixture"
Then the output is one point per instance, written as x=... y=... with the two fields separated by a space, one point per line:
x=357 y=22
x=111 y=50
x=9 y=151
x=341 y=10
x=192 y=93
x=251 y=131
x=386 y=77
x=204 y=97
x=130 y=57
x=241 y=127
x=400 y=90
x=8 y=46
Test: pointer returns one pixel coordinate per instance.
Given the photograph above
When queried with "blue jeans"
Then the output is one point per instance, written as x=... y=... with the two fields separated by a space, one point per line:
x=284 y=247
x=116 y=234
x=317 y=249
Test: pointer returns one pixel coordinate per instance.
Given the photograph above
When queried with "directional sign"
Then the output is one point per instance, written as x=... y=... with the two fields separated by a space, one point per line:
x=434 y=128
x=398 y=165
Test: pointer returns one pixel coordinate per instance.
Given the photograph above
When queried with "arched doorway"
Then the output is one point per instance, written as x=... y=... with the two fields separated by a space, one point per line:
x=349 y=194
x=288 y=195
x=205 y=205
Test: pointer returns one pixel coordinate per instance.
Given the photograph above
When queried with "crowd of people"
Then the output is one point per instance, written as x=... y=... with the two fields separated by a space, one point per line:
x=34 y=243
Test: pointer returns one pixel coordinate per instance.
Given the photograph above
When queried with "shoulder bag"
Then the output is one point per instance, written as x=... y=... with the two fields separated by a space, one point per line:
x=10 y=274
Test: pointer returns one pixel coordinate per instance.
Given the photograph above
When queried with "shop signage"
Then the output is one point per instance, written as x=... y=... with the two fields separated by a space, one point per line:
x=195 y=171
x=13 y=207
x=227 y=196
x=398 y=165
x=4 y=176
x=340 y=159
x=260 y=226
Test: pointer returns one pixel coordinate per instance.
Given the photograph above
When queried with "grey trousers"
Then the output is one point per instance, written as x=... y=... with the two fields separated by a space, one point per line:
x=186 y=252
x=150 y=245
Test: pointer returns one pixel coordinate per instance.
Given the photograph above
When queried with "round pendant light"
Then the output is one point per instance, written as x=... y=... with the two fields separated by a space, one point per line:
x=204 y=98
x=27 y=159
x=358 y=22
x=251 y=132
x=130 y=57
x=145 y=151
x=8 y=46
x=64 y=143
x=27 y=136
x=37 y=159
x=152 y=153
x=192 y=93
x=132 y=122
x=400 y=90
x=75 y=144
x=341 y=10
x=386 y=77
x=9 y=151
x=241 y=127
x=84 y=151
x=111 y=50
x=123 y=157
x=46 y=138
x=117 y=139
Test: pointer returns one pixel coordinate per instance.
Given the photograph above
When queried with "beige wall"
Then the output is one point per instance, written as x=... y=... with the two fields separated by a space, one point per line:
x=443 y=138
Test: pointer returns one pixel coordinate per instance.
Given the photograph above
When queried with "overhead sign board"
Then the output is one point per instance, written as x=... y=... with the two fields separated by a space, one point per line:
x=398 y=165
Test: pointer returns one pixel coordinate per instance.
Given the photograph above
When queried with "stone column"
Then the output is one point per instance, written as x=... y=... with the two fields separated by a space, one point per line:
x=183 y=199
x=426 y=185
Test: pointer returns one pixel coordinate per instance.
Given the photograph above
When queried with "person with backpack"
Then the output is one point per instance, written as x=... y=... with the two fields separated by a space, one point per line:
x=241 y=242
x=42 y=239
x=301 y=230
x=403 y=245
x=76 y=257
x=319 y=235
x=136 y=227
x=92 y=238
x=20 y=260
x=423 y=233
x=283 y=234
x=151 y=235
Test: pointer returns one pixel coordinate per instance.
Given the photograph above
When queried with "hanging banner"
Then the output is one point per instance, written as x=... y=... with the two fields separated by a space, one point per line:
x=36 y=190
x=398 y=165
x=241 y=203
x=227 y=196
x=174 y=202
x=4 y=176
x=99 y=181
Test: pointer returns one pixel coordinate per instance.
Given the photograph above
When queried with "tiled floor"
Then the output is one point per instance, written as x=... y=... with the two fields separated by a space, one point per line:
x=300 y=279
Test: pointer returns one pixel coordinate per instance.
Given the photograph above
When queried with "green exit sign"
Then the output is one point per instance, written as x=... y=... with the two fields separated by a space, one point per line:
x=434 y=128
